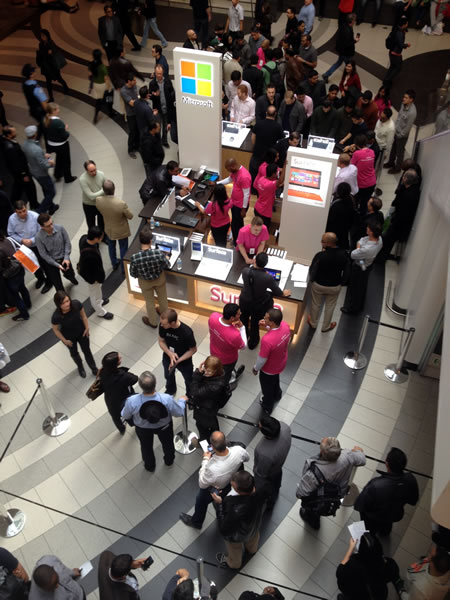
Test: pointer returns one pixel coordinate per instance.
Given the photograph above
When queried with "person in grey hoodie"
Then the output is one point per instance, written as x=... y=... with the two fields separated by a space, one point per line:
x=39 y=163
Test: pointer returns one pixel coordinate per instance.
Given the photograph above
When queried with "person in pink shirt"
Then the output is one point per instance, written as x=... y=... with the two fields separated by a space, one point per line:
x=252 y=239
x=306 y=101
x=218 y=210
x=272 y=358
x=260 y=53
x=240 y=196
x=272 y=156
x=364 y=160
x=226 y=337
x=267 y=186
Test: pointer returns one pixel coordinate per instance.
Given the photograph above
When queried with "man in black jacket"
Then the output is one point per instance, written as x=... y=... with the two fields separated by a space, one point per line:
x=91 y=269
x=151 y=149
x=110 y=32
x=396 y=47
x=381 y=502
x=327 y=272
x=121 y=8
x=270 y=98
x=239 y=517
x=17 y=165
x=345 y=45
x=143 y=111
x=115 y=579
x=163 y=97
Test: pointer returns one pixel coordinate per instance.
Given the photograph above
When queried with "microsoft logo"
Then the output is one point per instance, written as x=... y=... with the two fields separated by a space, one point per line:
x=196 y=78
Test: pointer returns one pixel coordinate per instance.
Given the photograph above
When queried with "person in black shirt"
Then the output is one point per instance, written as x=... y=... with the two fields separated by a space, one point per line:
x=358 y=127
x=151 y=149
x=255 y=300
x=178 y=343
x=283 y=146
x=91 y=269
x=254 y=76
x=343 y=217
x=70 y=325
x=12 y=565
x=117 y=384
x=270 y=98
x=327 y=272
x=201 y=13
x=265 y=135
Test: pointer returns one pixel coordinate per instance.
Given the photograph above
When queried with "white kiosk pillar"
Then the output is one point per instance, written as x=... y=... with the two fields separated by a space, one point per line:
x=308 y=186
x=198 y=89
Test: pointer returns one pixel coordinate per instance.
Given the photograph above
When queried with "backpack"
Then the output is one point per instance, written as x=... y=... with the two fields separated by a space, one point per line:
x=390 y=40
x=11 y=587
x=327 y=497
x=275 y=78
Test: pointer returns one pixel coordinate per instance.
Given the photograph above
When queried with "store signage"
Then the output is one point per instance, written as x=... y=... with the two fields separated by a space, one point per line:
x=308 y=181
x=196 y=79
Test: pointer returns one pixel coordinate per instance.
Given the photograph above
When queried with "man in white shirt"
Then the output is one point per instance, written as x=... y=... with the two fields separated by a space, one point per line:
x=385 y=131
x=242 y=107
x=347 y=173
x=236 y=81
x=235 y=20
x=218 y=467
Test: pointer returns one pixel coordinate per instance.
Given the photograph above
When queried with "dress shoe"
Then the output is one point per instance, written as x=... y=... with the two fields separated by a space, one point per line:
x=132 y=154
x=239 y=371
x=94 y=371
x=309 y=322
x=394 y=171
x=70 y=180
x=347 y=311
x=39 y=283
x=151 y=469
x=74 y=281
x=166 y=144
x=4 y=387
x=105 y=301
x=122 y=431
x=82 y=372
x=47 y=287
x=187 y=520
x=53 y=209
x=147 y=322
x=108 y=316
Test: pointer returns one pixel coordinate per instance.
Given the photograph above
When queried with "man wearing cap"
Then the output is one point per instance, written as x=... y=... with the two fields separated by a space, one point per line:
x=270 y=454
x=34 y=95
x=152 y=414
x=39 y=164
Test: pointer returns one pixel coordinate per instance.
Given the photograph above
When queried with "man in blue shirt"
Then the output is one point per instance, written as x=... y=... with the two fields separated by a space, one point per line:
x=307 y=14
x=152 y=414
x=35 y=96
x=23 y=227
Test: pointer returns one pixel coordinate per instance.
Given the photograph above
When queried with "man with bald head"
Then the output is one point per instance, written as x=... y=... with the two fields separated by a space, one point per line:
x=265 y=135
x=240 y=196
x=328 y=270
x=191 y=40
x=218 y=467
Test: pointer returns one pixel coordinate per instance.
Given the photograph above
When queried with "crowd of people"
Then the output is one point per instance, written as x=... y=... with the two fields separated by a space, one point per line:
x=274 y=88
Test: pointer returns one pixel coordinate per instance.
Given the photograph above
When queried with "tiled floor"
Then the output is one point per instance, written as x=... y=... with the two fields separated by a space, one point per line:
x=94 y=474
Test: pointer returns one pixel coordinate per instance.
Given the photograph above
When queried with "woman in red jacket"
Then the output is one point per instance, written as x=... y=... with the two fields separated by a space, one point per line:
x=350 y=83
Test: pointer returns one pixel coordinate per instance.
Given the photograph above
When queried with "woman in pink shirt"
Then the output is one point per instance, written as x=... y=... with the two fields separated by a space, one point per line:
x=252 y=239
x=364 y=160
x=382 y=100
x=272 y=156
x=261 y=53
x=218 y=211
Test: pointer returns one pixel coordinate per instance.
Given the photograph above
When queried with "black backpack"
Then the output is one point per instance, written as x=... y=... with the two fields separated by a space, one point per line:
x=275 y=78
x=327 y=497
x=390 y=40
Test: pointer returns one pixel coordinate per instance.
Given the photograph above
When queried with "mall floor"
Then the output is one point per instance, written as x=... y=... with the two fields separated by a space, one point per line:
x=93 y=473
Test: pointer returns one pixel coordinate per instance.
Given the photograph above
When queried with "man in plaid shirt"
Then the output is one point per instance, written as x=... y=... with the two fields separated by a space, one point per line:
x=148 y=266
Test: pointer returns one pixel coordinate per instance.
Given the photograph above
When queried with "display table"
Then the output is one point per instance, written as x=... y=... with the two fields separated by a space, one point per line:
x=242 y=154
x=204 y=295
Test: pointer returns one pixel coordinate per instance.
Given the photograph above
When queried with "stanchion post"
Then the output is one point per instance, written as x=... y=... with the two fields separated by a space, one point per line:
x=183 y=439
x=357 y=360
x=56 y=423
x=396 y=372
x=12 y=521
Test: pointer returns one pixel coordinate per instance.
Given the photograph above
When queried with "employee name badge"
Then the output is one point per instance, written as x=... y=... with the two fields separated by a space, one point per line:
x=251 y=251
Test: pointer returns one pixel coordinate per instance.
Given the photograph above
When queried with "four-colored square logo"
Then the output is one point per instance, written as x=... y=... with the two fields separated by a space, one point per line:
x=196 y=78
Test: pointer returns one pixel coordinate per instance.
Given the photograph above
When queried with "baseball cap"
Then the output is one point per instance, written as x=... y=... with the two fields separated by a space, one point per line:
x=30 y=131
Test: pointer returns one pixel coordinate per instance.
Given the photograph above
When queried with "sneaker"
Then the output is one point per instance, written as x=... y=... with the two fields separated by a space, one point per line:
x=105 y=301
x=82 y=372
x=53 y=209
x=8 y=311
x=71 y=179
x=187 y=520
x=108 y=316
x=74 y=281
x=266 y=410
x=21 y=317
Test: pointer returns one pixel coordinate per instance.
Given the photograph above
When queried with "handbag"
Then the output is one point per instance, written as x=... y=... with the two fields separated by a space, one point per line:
x=96 y=389
x=108 y=96
x=12 y=269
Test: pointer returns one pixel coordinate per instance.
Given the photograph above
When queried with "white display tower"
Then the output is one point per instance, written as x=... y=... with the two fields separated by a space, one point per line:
x=198 y=89
x=308 y=186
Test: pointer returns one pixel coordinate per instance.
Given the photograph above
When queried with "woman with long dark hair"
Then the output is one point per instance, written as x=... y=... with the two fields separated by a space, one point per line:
x=382 y=100
x=57 y=137
x=365 y=574
x=116 y=382
x=350 y=84
x=218 y=210
x=102 y=89
x=209 y=392
x=70 y=325
x=51 y=60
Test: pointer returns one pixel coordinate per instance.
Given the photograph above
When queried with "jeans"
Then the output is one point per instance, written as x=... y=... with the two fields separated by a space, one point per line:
x=185 y=367
x=154 y=25
x=22 y=300
x=84 y=345
x=48 y=188
x=123 y=247
x=337 y=64
x=165 y=435
x=271 y=390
